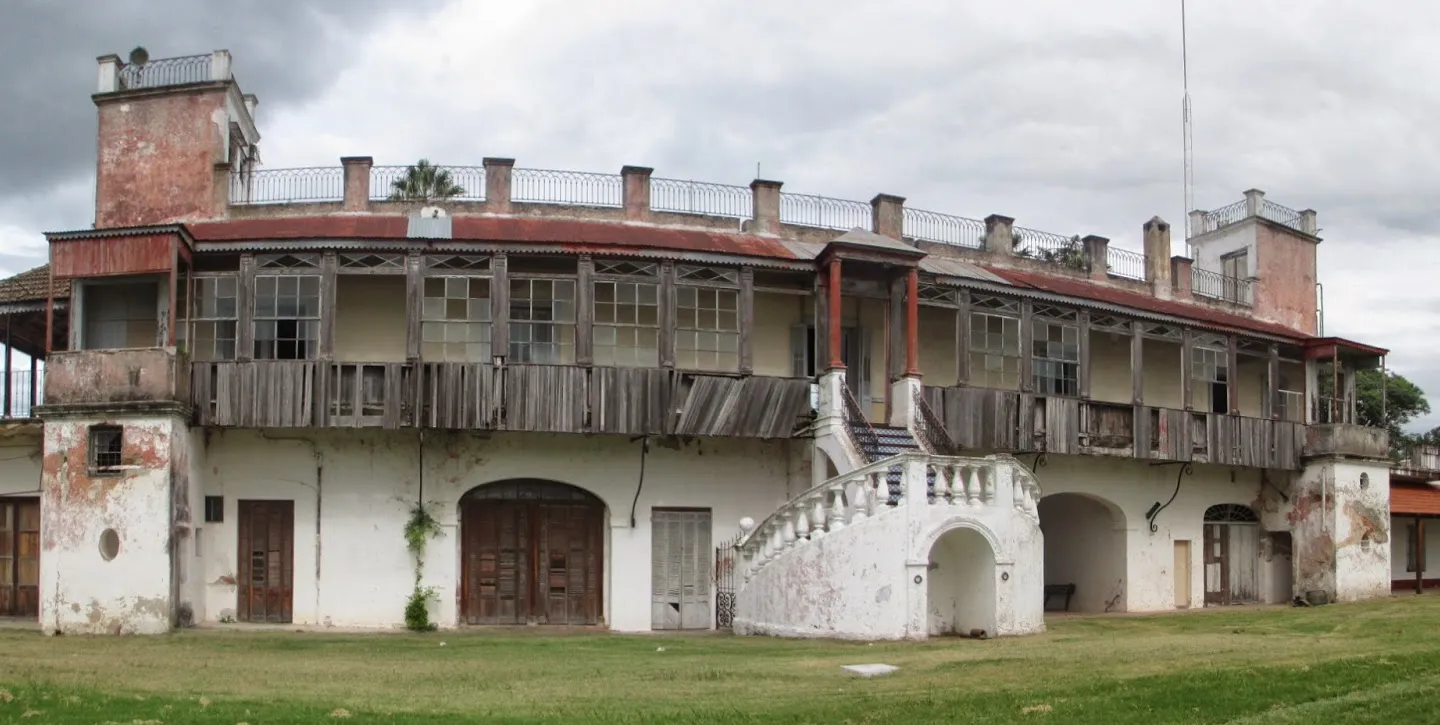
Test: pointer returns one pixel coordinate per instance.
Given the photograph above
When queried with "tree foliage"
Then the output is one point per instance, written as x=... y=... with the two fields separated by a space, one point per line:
x=425 y=182
x=1387 y=400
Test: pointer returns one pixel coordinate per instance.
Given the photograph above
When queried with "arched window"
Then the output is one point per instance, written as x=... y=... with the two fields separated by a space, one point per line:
x=1230 y=513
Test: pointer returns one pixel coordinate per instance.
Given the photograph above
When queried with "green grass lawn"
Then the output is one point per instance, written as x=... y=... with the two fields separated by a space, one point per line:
x=1373 y=662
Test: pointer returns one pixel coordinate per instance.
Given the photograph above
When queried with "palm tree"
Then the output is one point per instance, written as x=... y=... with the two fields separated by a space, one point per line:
x=425 y=182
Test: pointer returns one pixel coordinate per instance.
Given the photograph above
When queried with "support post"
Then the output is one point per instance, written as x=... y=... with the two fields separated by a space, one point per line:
x=1084 y=372
x=1232 y=382
x=667 y=314
x=837 y=360
x=912 y=323
x=585 y=311
x=1137 y=364
x=747 y=320
x=170 y=322
x=1027 y=350
x=1187 y=367
x=245 y=322
x=1270 y=402
x=500 y=307
x=414 y=305
x=329 y=277
x=9 y=410
x=1419 y=555
x=962 y=339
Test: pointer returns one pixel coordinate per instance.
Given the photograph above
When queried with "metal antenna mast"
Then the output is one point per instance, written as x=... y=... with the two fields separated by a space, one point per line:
x=1189 y=134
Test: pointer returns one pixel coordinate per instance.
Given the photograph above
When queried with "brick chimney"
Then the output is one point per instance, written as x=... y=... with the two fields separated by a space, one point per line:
x=1157 y=257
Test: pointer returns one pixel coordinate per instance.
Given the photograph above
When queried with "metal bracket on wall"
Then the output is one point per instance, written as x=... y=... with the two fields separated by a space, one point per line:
x=1186 y=469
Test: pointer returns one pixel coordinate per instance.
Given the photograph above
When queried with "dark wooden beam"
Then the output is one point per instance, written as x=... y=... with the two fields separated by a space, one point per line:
x=585 y=311
x=832 y=324
x=1270 y=400
x=9 y=355
x=667 y=314
x=414 y=304
x=329 y=265
x=1027 y=325
x=245 y=322
x=1137 y=363
x=1187 y=362
x=499 y=307
x=1084 y=372
x=912 y=323
x=1232 y=380
x=747 y=320
x=1419 y=555
x=962 y=339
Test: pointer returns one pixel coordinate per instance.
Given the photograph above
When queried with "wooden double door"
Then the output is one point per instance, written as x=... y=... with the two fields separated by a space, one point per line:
x=266 y=582
x=531 y=552
x=1232 y=557
x=20 y=557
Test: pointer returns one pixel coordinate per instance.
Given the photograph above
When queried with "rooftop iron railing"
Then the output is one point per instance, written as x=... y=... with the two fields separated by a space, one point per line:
x=930 y=226
x=1222 y=217
x=390 y=182
x=281 y=186
x=1279 y=214
x=1216 y=286
x=701 y=197
x=583 y=188
x=167 y=72
x=823 y=212
x=1125 y=263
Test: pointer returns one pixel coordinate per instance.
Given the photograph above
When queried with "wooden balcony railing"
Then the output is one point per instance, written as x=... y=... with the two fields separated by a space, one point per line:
x=463 y=396
x=983 y=419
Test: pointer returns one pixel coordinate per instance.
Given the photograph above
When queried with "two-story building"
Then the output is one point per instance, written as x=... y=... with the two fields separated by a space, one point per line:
x=915 y=422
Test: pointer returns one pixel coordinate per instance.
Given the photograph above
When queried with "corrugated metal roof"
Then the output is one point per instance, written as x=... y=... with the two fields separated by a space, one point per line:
x=862 y=238
x=1083 y=289
x=428 y=227
x=1414 y=500
x=952 y=267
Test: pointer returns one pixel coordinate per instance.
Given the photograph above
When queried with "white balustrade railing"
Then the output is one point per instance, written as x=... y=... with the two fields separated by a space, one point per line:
x=849 y=499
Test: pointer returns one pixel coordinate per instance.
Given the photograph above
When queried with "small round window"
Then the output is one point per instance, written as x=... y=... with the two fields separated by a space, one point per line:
x=109 y=544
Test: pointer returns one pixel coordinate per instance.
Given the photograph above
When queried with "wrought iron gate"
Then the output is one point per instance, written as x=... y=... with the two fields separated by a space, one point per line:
x=725 y=583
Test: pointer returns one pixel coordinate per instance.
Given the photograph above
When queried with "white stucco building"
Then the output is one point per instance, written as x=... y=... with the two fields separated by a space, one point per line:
x=906 y=423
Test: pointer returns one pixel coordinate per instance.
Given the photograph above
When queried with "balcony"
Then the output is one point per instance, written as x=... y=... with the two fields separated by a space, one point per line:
x=1347 y=440
x=471 y=396
x=115 y=379
x=1002 y=420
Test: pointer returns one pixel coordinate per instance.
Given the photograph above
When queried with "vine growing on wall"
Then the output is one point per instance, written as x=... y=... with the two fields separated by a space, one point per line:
x=420 y=528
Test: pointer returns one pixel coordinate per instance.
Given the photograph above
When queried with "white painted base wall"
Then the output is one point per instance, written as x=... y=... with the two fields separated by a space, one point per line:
x=352 y=491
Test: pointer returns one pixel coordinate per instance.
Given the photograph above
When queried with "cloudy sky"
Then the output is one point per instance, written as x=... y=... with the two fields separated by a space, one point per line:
x=1063 y=115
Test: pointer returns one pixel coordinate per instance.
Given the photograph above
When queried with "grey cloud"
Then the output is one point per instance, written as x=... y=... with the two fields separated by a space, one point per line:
x=285 y=52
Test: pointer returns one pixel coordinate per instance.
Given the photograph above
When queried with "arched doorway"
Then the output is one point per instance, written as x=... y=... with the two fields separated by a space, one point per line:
x=531 y=551
x=961 y=590
x=1232 y=554
x=1084 y=553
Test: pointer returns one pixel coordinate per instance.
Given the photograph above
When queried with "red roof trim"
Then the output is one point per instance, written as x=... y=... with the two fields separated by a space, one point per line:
x=1083 y=289
x=1414 y=500
x=592 y=236
x=1342 y=343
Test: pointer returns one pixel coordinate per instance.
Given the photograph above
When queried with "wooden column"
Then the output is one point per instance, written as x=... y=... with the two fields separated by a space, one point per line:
x=1187 y=362
x=174 y=288
x=832 y=323
x=50 y=311
x=1419 y=555
x=912 y=323
x=667 y=314
x=585 y=311
x=1084 y=372
x=1232 y=378
x=1270 y=400
x=414 y=303
x=895 y=331
x=499 y=307
x=1137 y=363
x=747 y=320
x=962 y=339
x=9 y=410
x=329 y=277
x=1027 y=363
x=34 y=386
x=245 y=319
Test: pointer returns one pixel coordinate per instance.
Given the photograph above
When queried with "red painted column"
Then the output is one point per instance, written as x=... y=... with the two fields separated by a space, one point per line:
x=837 y=361
x=912 y=323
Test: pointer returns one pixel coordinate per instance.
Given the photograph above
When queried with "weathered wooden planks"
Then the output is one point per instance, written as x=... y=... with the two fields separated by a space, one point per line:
x=741 y=407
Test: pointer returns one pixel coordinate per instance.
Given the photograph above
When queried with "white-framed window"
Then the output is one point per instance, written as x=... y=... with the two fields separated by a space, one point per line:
x=627 y=323
x=994 y=350
x=209 y=320
x=455 y=319
x=707 y=329
x=1055 y=358
x=287 y=317
x=1210 y=379
x=542 y=320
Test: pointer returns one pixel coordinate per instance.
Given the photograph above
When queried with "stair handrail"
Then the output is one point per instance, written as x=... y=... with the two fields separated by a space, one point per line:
x=880 y=467
x=857 y=425
x=931 y=430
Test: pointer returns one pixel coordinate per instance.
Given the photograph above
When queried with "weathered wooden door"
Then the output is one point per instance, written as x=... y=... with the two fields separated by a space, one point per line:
x=680 y=569
x=1232 y=554
x=20 y=557
x=531 y=551
x=266 y=582
x=1182 y=574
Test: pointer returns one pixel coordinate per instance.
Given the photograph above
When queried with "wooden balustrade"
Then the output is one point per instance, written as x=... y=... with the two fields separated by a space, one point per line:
x=981 y=419
x=463 y=396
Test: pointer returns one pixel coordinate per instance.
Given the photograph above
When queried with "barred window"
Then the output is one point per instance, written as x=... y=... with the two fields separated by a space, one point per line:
x=207 y=325
x=994 y=351
x=455 y=319
x=542 y=321
x=707 y=334
x=1055 y=358
x=287 y=317
x=627 y=323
